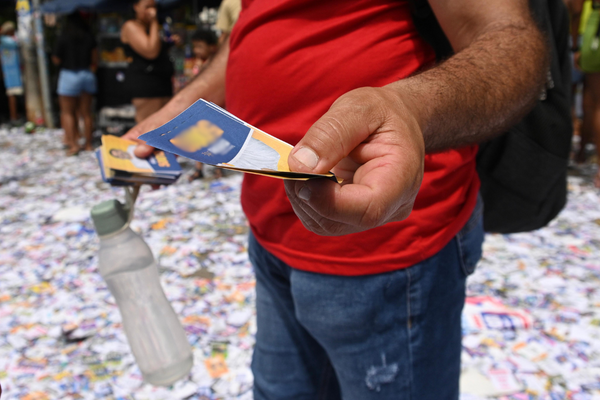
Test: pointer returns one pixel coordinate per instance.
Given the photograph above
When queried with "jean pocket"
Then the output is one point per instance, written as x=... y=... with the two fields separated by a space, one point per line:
x=470 y=239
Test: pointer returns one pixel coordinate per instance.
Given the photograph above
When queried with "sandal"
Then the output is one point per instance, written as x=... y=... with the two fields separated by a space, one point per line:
x=73 y=151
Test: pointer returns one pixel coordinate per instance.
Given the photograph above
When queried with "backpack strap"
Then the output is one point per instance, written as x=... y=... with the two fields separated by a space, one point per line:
x=429 y=29
x=420 y=8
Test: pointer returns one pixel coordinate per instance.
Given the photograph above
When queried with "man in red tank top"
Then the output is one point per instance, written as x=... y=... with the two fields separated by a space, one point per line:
x=360 y=286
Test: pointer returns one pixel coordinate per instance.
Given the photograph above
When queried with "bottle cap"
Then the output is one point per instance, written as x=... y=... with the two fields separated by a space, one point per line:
x=109 y=217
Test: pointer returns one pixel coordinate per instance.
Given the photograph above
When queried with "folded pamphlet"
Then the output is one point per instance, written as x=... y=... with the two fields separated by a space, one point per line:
x=120 y=167
x=205 y=132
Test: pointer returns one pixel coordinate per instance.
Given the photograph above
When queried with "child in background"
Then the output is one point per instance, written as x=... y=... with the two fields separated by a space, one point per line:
x=11 y=67
x=204 y=46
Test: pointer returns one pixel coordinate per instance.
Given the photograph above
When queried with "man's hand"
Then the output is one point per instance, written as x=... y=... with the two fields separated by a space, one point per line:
x=376 y=138
x=154 y=121
x=369 y=138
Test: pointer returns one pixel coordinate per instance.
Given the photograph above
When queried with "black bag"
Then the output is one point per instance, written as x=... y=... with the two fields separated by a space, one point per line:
x=523 y=172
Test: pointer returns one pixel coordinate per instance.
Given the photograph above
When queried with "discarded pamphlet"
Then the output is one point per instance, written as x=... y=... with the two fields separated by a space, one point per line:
x=205 y=132
x=120 y=167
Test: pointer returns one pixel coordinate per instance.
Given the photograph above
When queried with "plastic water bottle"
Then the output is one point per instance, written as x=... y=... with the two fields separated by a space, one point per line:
x=154 y=333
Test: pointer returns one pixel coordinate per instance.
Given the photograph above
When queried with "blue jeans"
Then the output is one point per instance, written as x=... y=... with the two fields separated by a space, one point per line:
x=395 y=335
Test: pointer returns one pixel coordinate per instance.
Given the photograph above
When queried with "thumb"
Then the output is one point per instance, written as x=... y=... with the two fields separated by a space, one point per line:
x=143 y=151
x=349 y=121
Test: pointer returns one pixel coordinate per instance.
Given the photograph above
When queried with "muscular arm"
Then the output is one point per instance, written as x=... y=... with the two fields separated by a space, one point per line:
x=209 y=85
x=376 y=138
x=493 y=80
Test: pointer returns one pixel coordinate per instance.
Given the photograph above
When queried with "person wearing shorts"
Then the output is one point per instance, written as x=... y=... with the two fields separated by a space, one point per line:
x=77 y=55
x=11 y=67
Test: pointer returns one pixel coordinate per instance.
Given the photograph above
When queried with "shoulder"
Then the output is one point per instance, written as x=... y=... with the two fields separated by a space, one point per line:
x=130 y=28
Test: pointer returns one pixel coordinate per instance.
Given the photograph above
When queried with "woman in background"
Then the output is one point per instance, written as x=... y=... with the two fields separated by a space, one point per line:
x=150 y=72
x=77 y=55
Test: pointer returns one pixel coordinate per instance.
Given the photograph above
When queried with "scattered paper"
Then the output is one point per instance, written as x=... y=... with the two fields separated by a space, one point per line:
x=61 y=334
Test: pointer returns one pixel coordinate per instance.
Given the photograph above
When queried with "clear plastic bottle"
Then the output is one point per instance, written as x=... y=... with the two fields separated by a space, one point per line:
x=154 y=333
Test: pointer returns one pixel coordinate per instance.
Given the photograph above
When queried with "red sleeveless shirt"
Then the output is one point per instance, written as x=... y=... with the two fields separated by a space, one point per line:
x=289 y=61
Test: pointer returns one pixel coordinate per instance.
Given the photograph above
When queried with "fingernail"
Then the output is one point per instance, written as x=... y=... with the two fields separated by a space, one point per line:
x=307 y=157
x=304 y=193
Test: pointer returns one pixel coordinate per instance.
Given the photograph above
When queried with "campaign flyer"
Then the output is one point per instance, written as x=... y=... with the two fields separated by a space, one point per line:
x=205 y=132
x=119 y=165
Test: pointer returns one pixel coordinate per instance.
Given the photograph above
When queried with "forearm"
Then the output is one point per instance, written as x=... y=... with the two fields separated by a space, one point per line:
x=481 y=91
x=209 y=84
x=154 y=41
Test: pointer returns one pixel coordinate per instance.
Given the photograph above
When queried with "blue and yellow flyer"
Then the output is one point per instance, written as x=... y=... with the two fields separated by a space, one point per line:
x=119 y=166
x=205 y=132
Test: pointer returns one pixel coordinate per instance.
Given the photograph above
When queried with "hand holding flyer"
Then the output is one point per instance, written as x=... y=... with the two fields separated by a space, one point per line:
x=120 y=167
x=205 y=132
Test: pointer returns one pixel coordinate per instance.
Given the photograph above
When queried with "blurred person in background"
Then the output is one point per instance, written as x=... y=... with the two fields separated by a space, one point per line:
x=577 y=76
x=583 y=129
x=11 y=67
x=76 y=54
x=590 y=130
x=204 y=46
x=228 y=14
x=229 y=11
x=150 y=72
